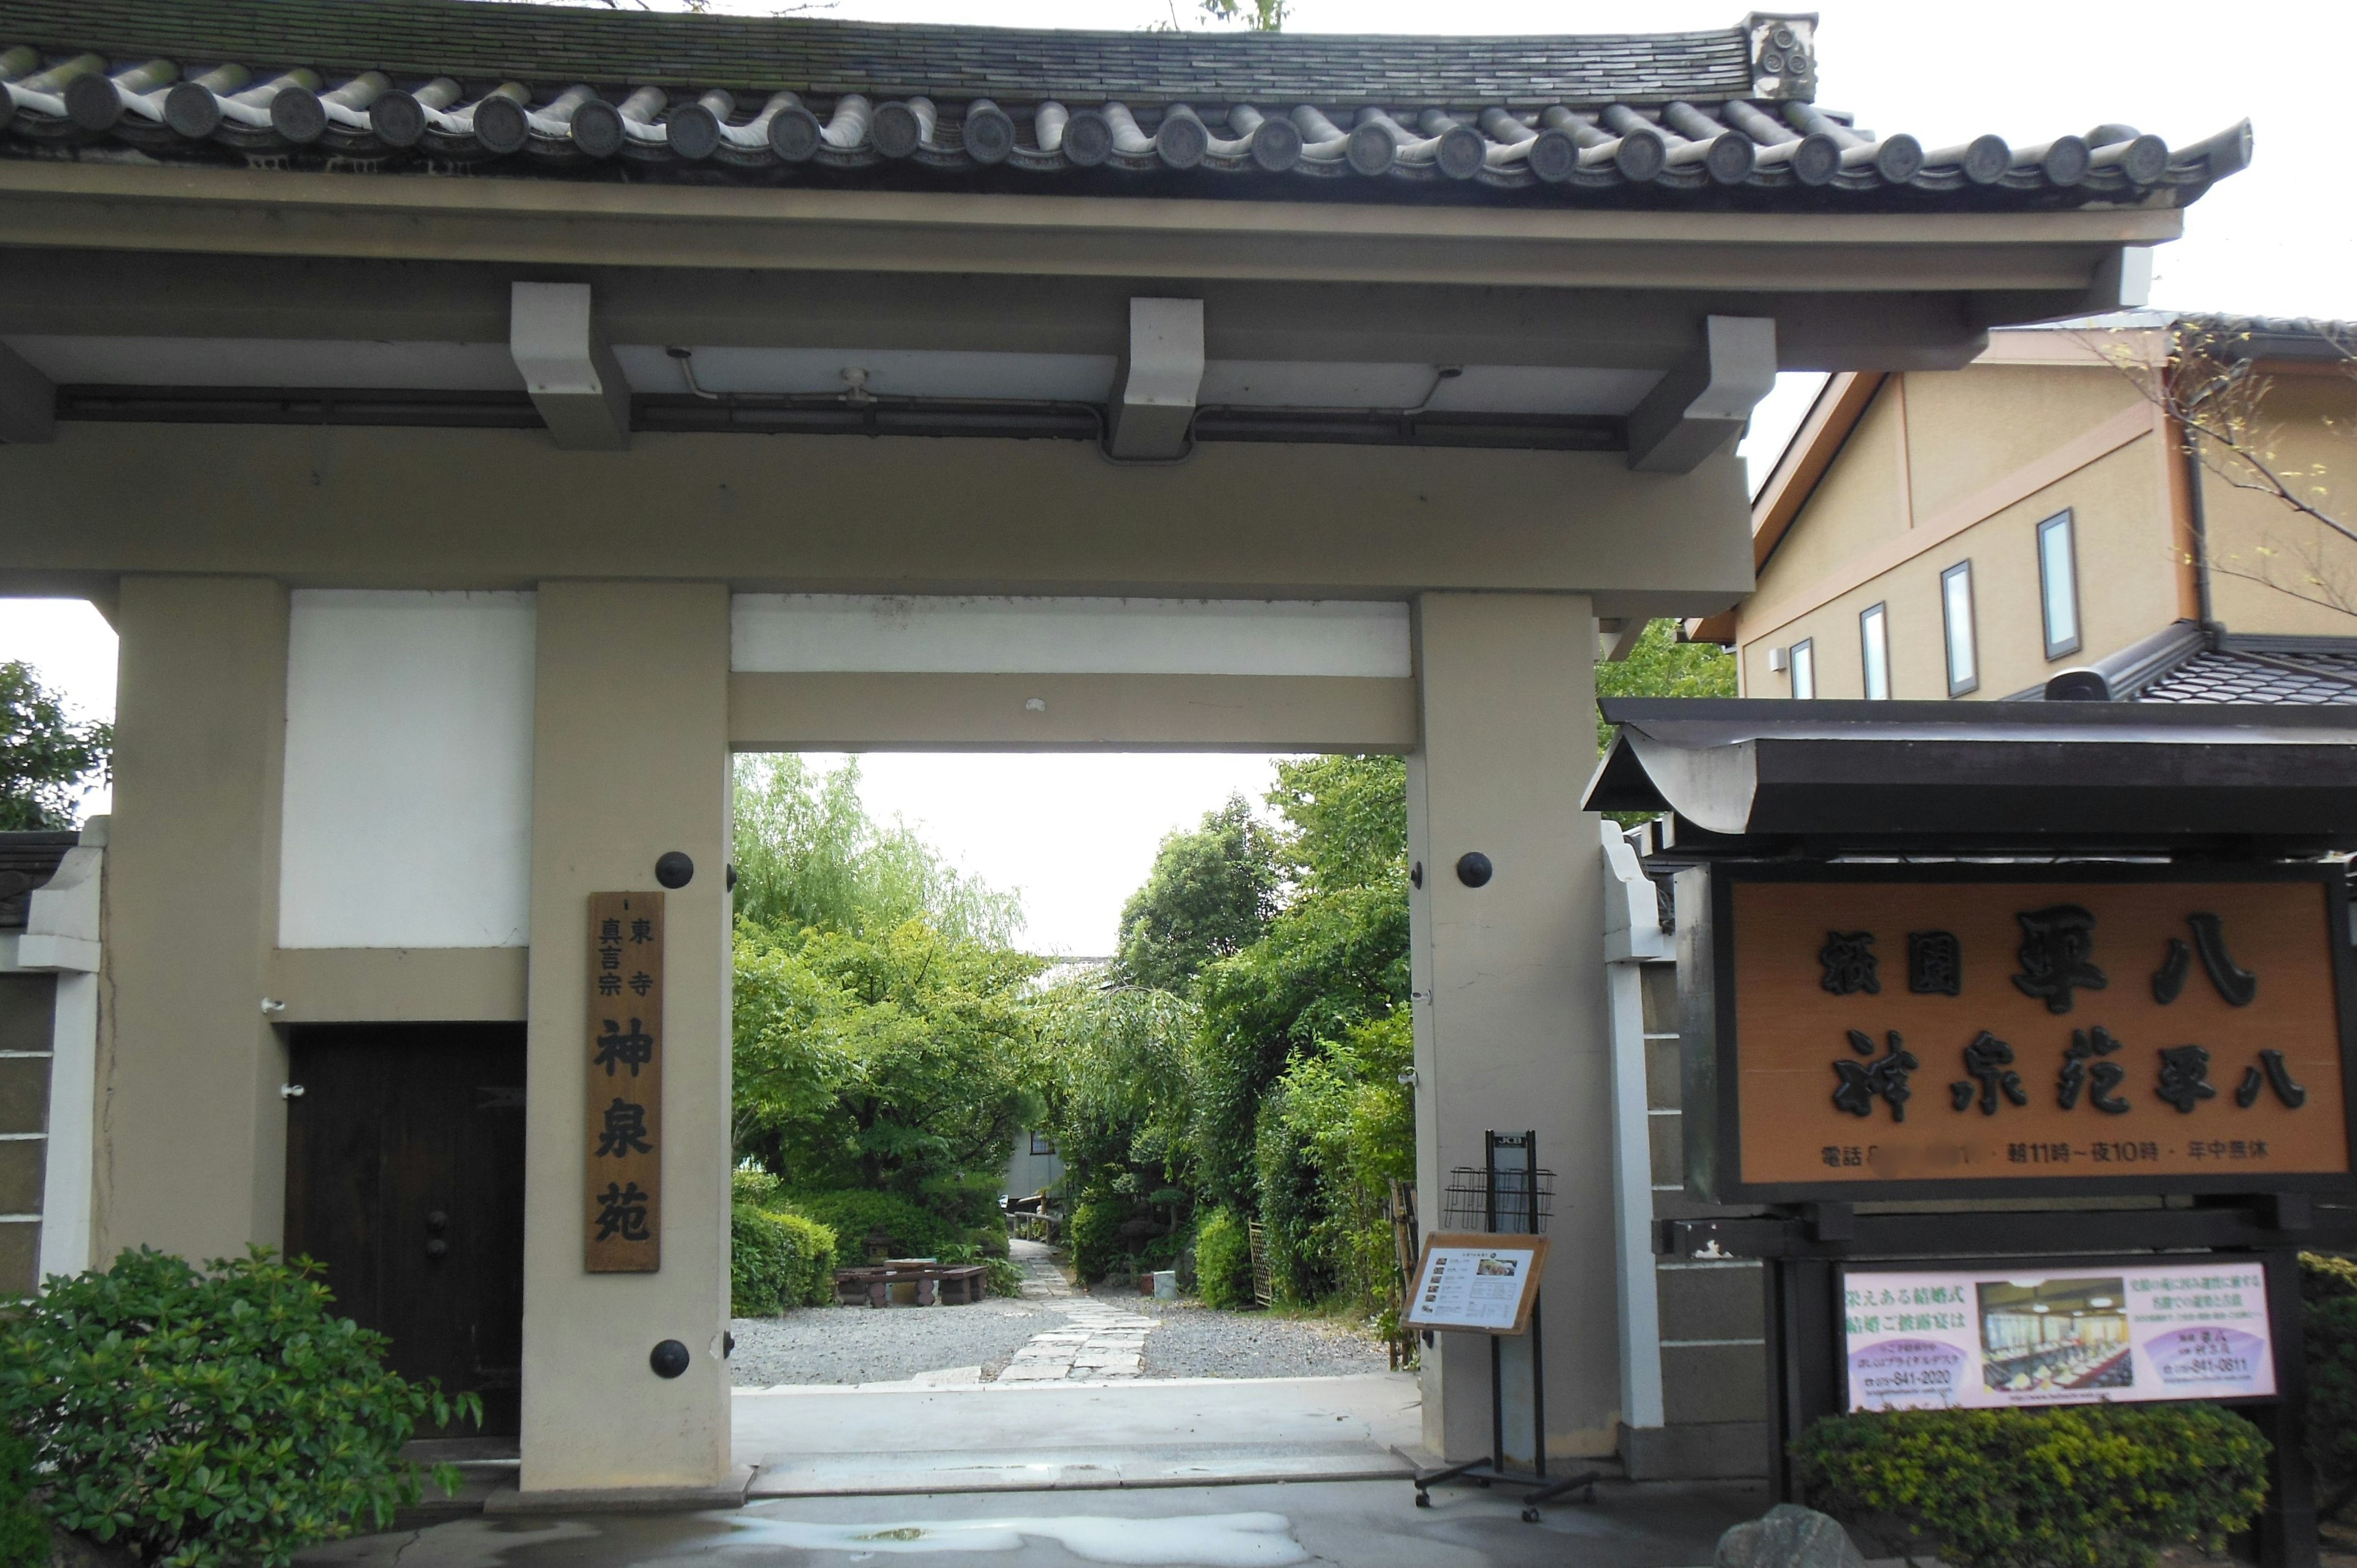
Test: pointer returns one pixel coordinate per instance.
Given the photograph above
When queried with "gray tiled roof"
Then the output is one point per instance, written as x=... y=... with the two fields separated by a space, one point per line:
x=2188 y=662
x=2239 y=674
x=1723 y=116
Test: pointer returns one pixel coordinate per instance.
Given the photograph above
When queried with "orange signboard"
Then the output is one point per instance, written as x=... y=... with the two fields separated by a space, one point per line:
x=2029 y=1027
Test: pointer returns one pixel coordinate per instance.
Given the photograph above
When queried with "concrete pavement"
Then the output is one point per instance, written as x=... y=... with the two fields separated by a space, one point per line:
x=1053 y=1436
x=1355 y=1524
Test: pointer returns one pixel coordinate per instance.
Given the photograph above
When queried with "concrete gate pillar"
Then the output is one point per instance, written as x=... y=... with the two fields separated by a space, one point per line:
x=187 y=1059
x=1510 y=1010
x=629 y=760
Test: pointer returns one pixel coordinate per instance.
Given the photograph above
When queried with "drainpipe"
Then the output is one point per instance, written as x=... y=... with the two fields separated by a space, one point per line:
x=2198 y=518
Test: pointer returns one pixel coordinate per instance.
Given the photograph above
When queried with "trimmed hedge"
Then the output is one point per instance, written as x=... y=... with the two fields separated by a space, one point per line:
x=2075 y=1486
x=777 y=1261
x=1223 y=1259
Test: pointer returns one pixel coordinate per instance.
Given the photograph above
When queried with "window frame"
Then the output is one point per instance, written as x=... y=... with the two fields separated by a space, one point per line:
x=1877 y=615
x=1972 y=683
x=1042 y=1145
x=1800 y=656
x=2066 y=521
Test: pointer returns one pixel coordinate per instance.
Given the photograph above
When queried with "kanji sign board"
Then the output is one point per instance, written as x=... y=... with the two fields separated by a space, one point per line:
x=622 y=1194
x=1861 y=1031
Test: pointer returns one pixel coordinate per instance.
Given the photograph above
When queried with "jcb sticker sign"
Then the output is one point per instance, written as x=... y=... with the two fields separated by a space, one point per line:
x=1880 y=1031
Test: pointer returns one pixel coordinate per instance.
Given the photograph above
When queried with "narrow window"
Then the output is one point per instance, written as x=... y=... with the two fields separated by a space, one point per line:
x=1873 y=646
x=1956 y=610
x=2058 y=583
x=1804 y=669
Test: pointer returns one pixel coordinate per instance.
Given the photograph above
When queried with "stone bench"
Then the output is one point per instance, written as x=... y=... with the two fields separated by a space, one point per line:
x=932 y=1283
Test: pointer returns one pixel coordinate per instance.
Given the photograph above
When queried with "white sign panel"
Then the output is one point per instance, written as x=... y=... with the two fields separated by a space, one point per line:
x=1479 y=1282
x=2188 y=1328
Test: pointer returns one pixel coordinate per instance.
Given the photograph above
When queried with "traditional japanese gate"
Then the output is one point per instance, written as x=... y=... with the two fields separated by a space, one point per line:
x=503 y=509
x=2081 y=973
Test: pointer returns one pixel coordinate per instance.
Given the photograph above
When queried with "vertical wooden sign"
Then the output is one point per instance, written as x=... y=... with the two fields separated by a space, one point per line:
x=623 y=1193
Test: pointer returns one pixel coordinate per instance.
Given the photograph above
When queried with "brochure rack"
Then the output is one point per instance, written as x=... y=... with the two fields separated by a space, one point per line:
x=1508 y=1196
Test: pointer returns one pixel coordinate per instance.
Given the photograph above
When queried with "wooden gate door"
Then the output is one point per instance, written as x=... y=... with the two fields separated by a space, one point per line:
x=405 y=1176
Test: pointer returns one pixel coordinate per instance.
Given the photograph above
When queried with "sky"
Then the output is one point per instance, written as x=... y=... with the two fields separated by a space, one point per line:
x=1076 y=834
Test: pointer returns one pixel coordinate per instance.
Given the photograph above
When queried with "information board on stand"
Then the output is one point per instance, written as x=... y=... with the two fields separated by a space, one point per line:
x=1478 y=1283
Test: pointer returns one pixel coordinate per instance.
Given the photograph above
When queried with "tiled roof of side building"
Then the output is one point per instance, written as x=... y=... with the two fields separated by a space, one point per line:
x=2186 y=662
x=1725 y=117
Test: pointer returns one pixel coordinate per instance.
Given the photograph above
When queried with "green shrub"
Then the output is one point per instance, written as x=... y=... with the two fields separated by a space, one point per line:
x=2075 y=1486
x=1003 y=1276
x=2328 y=1297
x=210 y=1419
x=1223 y=1259
x=854 y=1213
x=24 y=1529
x=751 y=1183
x=777 y=1260
x=1093 y=1233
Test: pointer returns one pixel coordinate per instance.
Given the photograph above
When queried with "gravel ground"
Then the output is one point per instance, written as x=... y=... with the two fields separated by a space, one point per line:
x=843 y=1345
x=861 y=1344
x=1195 y=1341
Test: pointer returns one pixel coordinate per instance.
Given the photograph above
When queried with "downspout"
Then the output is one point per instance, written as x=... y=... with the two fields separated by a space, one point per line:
x=2198 y=522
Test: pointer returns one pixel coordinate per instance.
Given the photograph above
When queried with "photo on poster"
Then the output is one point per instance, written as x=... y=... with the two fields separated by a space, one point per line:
x=2059 y=1334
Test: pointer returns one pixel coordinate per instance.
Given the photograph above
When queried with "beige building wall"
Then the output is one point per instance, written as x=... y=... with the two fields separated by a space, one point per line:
x=630 y=761
x=1990 y=452
x=1860 y=505
x=2257 y=536
x=192 y=1131
x=1968 y=428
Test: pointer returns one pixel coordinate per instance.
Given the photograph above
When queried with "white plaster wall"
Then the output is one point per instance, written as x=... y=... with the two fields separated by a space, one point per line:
x=781 y=633
x=407 y=813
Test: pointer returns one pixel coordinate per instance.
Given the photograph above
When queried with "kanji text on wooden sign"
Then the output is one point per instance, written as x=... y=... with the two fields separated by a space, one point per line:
x=1925 y=1027
x=622 y=1207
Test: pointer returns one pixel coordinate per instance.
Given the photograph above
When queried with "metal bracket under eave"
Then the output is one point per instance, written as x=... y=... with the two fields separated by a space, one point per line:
x=1707 y=396
x=569 y=370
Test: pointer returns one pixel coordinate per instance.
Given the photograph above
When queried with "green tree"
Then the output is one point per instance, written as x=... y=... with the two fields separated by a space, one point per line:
x=808 y=854
x=1335 y=1133
x=1114 y=1070
x=1335 y=957
x=45 y=757
x=1209 y=895
x=894 y=1061
x=1662 y=666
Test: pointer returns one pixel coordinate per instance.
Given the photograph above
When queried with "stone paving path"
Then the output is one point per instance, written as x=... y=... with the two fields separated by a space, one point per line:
x=1099 y=1343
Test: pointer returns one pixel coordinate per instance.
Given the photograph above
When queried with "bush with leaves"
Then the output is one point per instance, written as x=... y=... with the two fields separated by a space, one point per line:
x=777 y=1261
x=206 y=1419
x=24 y=1528
x=1093 y=1233
x=912 y=1230
x=2328 y=1306
x=2075 y=1486
x=1337 y=1128
x=1223 y=1271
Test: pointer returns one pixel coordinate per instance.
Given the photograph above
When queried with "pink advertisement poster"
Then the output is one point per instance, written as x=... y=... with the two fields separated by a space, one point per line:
x=2186 y=1328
